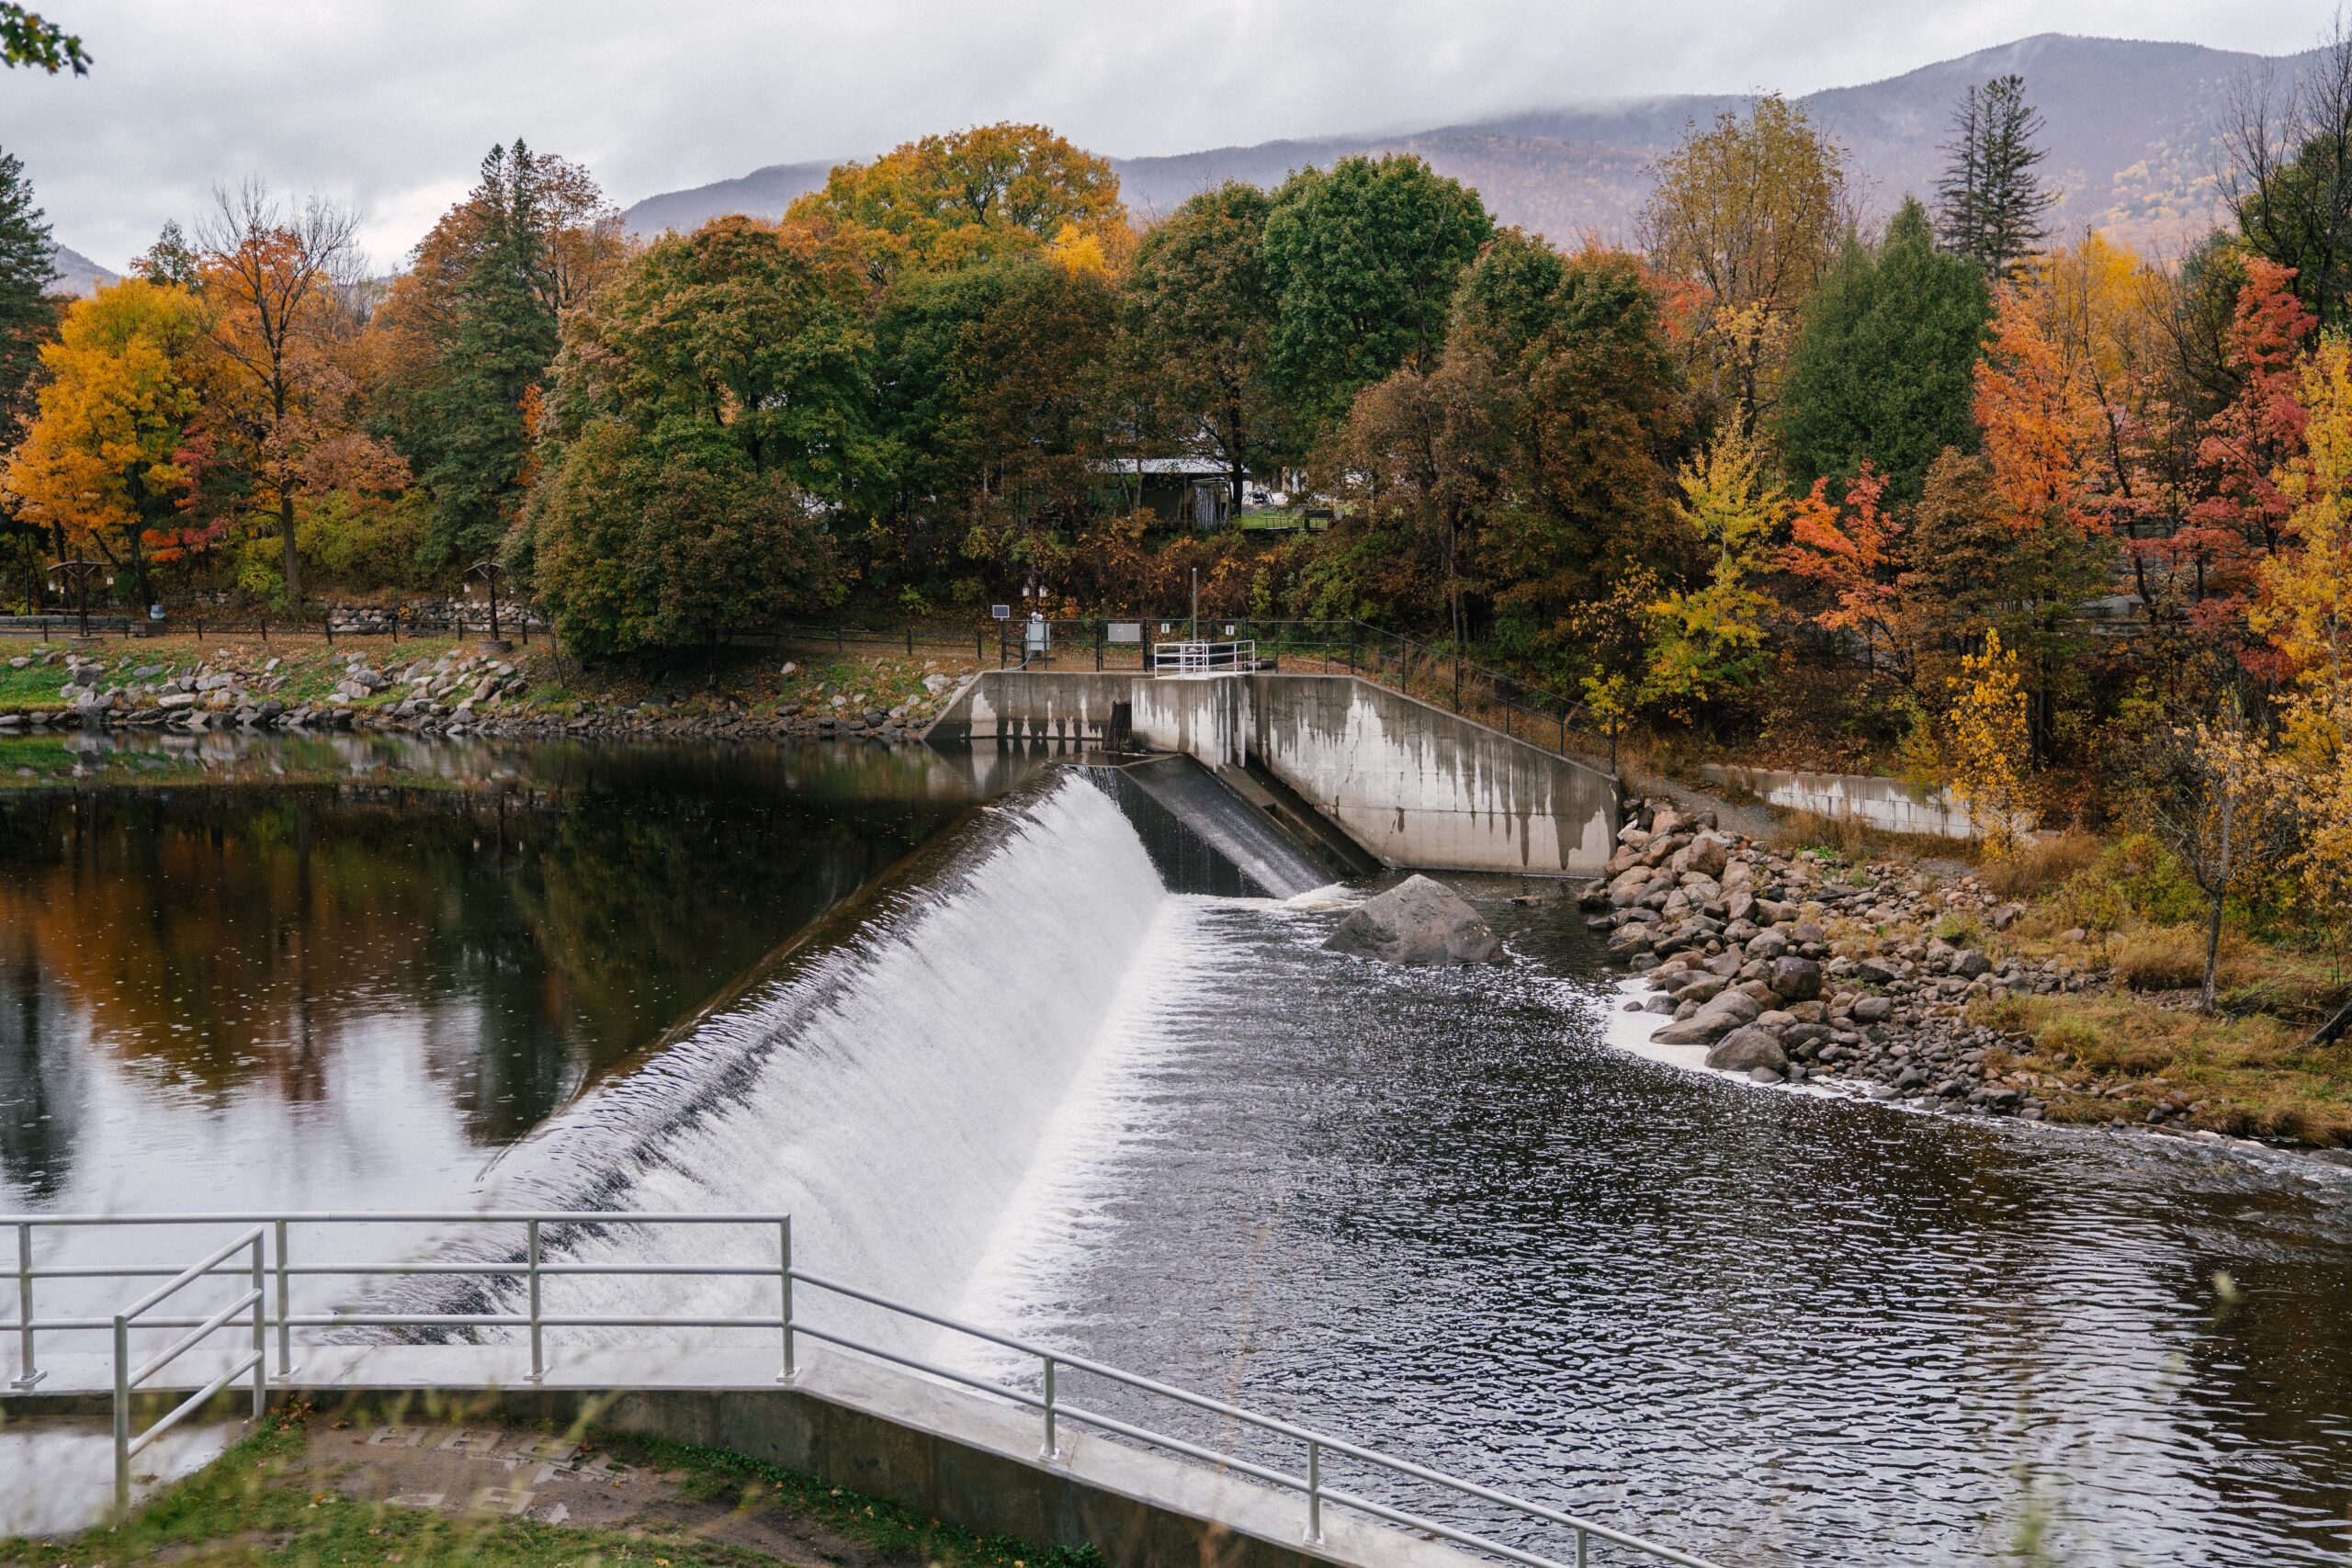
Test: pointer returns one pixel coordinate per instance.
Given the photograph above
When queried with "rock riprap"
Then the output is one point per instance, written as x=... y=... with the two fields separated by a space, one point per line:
x=1797 y=966
x=1417 y=921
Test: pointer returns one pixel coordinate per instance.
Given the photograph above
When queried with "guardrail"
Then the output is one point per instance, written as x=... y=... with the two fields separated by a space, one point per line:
x=533 y=1269
x=1205 y=658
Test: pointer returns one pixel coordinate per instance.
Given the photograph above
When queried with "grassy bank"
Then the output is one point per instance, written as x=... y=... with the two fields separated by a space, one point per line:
x=298 y=1491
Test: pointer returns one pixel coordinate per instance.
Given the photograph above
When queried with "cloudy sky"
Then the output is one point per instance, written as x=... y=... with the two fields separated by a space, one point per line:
x=388 y=104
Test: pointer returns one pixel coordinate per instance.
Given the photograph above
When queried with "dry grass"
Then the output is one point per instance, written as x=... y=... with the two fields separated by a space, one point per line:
x=1856 y=841
x=2250 y=1075
x=2034 y=869
x=2172 y=958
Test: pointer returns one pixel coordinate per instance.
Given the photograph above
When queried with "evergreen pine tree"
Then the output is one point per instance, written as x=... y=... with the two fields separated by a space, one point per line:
x=502 y=340
x=27 y=311
x=1882 y=369
x=1990 y=206
x=170 y=259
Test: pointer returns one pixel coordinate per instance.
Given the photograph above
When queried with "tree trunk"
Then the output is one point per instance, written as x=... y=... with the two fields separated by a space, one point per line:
x=286 y=537
x=2334 y=1028
x=2221 y=894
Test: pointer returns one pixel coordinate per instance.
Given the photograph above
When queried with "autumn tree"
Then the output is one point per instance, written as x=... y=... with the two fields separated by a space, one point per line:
x=2305 y=611
x=2212 y=788
x=170 y=259
x=1362 y=259
x=1991 y=208
x=1708 y=640
x=1990 y=746
x=468 y=332
x=1883 y=371
x=101 y=459
x=1856 y=552
x=284 y=407
x=994 y=192
x=1197 y=318
x=1747 y=214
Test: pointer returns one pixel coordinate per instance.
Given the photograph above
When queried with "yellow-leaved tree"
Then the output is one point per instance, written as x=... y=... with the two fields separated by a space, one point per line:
x=102 y=458
x=1709 y=640
x=2305 y=610
x=1990 y=745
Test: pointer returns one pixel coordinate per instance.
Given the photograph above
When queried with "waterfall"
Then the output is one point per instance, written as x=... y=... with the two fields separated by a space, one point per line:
x=890 y=1082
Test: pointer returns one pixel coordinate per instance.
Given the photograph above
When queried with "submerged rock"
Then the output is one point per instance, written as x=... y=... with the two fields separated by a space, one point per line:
x=1417 y=921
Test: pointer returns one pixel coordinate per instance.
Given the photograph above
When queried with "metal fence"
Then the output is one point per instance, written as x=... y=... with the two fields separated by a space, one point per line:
x=259 y=1257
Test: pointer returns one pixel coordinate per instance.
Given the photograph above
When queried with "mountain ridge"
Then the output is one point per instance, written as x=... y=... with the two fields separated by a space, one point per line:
x=2131 y=128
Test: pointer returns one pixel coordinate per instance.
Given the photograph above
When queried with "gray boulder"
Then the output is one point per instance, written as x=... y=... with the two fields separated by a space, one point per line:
x=1417 y=921
x=1795 y=979
x=1747 y=1048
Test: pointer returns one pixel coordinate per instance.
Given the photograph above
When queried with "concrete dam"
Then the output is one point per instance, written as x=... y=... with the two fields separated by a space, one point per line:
x=1407 y=783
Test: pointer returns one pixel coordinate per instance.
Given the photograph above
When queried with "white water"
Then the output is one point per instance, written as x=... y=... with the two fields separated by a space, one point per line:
x=893 y=1095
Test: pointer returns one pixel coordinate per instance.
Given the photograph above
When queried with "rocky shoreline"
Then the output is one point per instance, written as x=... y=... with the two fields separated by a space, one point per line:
x=1796 y=968
x=480 y=694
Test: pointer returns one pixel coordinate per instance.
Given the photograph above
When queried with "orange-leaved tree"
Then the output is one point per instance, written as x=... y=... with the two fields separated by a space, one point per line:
x=283 y=414
x=103 y=458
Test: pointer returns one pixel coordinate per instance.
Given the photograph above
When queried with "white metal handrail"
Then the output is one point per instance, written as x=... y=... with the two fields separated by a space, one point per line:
x=1204 y=658
x=127 y=1379
x=534 y=1269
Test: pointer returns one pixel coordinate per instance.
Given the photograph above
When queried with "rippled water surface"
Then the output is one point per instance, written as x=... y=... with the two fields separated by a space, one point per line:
x=1433 y=1211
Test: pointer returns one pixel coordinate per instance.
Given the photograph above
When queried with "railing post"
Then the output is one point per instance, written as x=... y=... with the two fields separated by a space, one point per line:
x=538 y=1364
x=121 y=1418
x=1581 y=1548
x=1051 y=1451
x=26 y=1373
x=284 y=1333
x=261 y=1333
x=1457 y=680
x=1314 y=1491
x=783 y=1280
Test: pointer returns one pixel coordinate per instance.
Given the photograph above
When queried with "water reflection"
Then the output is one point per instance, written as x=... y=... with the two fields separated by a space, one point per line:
x=293 y=937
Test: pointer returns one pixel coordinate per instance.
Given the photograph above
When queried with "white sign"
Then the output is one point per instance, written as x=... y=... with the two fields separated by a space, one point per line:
x=1126 y=631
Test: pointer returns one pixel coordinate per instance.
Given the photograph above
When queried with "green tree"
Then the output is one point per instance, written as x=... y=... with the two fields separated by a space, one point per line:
x=1364 y=258
x=1991 y=207
x=991 y=397
x=636 y=549
x=472 y=328
x=170 y=260
x=27 y=37
x=29 y=316
x=740 y=341
x=1197 y=322
x=1882 y=370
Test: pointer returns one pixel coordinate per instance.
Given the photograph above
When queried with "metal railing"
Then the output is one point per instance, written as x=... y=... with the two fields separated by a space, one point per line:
x=532 y=1270
x=1205 y=658
x=127 y=1379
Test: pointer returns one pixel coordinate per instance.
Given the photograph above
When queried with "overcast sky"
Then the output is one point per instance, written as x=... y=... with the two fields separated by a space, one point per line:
x=388 y=104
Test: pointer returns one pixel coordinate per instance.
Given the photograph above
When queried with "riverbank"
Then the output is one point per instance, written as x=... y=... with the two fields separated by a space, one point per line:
x=1917 y=982
x=449 y=686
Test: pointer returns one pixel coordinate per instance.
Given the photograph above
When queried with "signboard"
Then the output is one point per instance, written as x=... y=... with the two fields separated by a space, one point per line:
x=1125 y=631
x=1000 y=612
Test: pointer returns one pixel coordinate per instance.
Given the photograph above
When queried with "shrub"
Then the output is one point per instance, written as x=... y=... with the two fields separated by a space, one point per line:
x=1961 y=931
x=2171 y=958
x=2134 y=878
x=2037 y=867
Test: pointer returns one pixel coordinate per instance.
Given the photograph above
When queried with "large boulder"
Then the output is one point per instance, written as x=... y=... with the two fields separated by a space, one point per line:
x=1747 y=1048
x=1417 y=921
x=1795 y=979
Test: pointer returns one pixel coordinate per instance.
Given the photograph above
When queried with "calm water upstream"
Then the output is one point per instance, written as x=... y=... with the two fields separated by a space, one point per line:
x=1020 y=1079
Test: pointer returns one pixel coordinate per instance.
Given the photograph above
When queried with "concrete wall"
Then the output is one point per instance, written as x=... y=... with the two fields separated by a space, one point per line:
x=1413 y=784
x=1885 y=803
x=948 y=1453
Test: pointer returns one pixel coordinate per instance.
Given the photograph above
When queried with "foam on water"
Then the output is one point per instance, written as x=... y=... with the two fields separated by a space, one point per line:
x=891 y=1091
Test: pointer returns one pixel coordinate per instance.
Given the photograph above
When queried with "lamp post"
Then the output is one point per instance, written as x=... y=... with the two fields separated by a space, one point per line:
x=490 y=571
x=77 y=573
